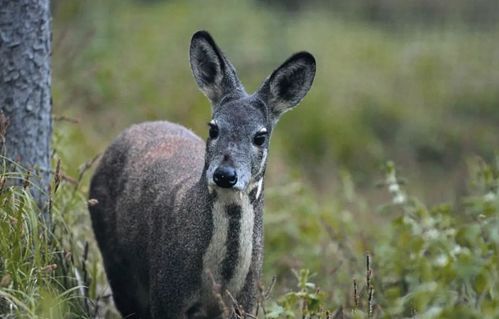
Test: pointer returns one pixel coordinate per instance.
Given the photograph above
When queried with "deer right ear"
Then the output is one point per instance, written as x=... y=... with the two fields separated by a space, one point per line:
x=288 y=84
x=214 y=74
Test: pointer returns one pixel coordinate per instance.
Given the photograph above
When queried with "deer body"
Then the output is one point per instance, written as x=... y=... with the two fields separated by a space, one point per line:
x=179 y=222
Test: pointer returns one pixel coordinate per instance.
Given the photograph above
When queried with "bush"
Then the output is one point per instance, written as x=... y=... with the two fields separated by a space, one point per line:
x=437 y=262
x=442 y=262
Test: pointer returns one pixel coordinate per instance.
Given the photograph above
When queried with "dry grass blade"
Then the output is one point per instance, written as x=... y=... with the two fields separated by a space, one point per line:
x=50 y=202
x=2 y=183
x=86 y=279
x=370 y=287
x=57 y=175
x=221 y=308
x=268 y=291
x=4 y=125
x=238 y=309
x=368 y=271
x=370 y=302
x=355 y=294
x=264 y=295
x=26 y=180
x=86 y=166
x=63 y=118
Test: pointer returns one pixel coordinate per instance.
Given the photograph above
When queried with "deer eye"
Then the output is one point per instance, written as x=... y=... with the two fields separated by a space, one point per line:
x=259 y=138
x=213 y=132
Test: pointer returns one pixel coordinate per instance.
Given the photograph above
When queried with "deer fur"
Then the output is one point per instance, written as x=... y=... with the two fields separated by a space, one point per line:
x=179 y=221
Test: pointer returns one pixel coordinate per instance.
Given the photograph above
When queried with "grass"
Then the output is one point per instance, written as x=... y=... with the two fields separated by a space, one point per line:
x=431 y=262
x=48 y=271
x=36 y=268
x=425 y=97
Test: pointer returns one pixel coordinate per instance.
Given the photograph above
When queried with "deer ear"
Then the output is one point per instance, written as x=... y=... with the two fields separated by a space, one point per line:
x=288 y=84
x=214 y=74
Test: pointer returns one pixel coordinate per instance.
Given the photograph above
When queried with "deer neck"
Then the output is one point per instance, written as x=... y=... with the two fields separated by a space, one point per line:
x=227 y=260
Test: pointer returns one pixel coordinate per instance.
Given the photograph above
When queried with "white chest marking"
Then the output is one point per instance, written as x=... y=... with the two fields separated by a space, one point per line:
x=217 y=250
x=245 y=246
x=215 y=254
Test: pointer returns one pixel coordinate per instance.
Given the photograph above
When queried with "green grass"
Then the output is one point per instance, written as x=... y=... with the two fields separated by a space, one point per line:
x=36 y=265
x=425 y=97
x=48 y=270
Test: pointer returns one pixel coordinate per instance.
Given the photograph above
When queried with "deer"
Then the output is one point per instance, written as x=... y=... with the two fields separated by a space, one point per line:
x=179 y=220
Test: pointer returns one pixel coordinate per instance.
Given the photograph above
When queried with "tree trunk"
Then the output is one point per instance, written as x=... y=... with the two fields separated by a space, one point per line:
x=25 y=81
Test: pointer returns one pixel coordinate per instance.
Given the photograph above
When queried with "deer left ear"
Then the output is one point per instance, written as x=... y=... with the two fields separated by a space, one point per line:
x=288 y=84
x=213 y=72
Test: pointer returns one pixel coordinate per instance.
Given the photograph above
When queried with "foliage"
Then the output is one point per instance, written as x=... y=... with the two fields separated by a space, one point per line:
x=437 y=262
x=306 y=301
x=37 y=268
x=442 y=262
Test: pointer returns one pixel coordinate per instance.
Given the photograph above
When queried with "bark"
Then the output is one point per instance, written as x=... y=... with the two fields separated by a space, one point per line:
x=25 y=82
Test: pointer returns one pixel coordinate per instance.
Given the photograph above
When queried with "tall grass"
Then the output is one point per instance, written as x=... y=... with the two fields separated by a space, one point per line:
x=32 y=281
x=45 y=270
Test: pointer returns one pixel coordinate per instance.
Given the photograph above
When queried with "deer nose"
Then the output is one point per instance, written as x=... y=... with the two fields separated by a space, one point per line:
x=225 y=176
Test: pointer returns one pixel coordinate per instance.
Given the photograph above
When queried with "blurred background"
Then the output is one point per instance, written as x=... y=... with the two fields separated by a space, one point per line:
x=415 y=82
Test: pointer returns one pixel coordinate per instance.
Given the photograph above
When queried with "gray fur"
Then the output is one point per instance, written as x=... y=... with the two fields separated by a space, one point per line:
x=288 y=84
x=174 y=242
x=214 y=74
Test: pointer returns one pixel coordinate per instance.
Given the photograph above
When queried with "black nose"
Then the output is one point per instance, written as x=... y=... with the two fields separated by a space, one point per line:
x=225 y=176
